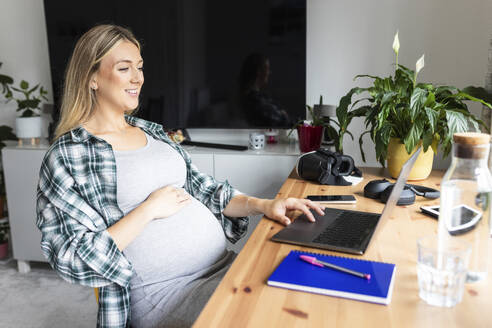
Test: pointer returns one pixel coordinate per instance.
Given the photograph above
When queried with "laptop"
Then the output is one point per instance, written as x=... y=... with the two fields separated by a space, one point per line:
x=344 y=230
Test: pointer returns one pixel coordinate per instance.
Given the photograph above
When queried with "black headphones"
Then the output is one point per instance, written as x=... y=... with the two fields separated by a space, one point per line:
x=381 y=189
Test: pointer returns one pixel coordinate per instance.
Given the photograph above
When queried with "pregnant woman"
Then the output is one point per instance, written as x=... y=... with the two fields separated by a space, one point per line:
x=122 y=208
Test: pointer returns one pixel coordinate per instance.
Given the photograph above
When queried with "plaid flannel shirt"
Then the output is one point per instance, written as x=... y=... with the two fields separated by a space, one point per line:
x=76 y=203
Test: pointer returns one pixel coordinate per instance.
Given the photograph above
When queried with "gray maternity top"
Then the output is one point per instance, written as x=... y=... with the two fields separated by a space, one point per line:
x=179 y=260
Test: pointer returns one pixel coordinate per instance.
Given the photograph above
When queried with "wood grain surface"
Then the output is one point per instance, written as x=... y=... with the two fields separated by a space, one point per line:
x=243 y=298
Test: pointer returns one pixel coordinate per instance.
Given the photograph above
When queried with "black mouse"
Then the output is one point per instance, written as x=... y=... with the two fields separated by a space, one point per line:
x=374 y=188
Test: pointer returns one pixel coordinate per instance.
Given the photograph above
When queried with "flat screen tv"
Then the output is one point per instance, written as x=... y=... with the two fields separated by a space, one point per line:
x=208 y=63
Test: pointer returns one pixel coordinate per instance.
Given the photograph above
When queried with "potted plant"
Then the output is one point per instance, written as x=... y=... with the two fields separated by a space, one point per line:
x=4 y=238
x=310 y=132
x=5 y=134
x=402 y=114
x=28 y=124
x=344 y=117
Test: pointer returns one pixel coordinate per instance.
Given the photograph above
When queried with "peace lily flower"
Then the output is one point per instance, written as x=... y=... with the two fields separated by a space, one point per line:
x=396 y=47
x=418 y=67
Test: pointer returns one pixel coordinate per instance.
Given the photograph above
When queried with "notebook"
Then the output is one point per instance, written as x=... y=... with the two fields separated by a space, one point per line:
x=344 y=230
x=294 y=273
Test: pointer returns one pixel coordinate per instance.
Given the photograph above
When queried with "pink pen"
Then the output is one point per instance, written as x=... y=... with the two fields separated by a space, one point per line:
x=314 y=261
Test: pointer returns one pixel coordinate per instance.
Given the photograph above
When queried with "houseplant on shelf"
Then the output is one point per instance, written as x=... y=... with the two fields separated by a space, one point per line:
x=5 y=134
x=28 y=124
x=402 y=114
x=310 y=132
x=344 y=118
x=4 y=238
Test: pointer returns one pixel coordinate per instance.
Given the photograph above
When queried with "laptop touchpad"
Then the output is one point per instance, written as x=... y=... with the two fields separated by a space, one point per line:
x=305 y=230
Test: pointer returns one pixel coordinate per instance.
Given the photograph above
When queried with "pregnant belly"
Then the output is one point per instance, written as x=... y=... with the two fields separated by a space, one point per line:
x=179 y=245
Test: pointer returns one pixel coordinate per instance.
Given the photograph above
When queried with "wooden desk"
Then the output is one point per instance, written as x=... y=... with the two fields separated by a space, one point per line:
x=244 y=300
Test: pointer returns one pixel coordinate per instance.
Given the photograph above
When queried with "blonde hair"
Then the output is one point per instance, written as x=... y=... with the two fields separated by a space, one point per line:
x=78 y=99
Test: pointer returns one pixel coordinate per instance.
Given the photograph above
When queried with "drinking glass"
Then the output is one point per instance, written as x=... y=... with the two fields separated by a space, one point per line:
x=441 y=270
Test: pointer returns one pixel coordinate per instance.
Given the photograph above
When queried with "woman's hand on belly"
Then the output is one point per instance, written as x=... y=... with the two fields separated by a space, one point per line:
x=166 y=201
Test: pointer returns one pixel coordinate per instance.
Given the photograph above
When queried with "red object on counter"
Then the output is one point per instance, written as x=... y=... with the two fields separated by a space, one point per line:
x=309 y=137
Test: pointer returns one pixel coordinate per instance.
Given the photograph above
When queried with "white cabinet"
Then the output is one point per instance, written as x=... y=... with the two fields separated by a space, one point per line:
x=21 y=168
x=259 y=176
x=256 y=173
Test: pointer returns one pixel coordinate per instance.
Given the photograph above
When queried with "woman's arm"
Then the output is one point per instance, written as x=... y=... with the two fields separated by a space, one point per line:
x=275 y=209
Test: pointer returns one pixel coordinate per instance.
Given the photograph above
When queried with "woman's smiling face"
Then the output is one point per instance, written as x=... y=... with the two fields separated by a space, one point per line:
x=119 y=79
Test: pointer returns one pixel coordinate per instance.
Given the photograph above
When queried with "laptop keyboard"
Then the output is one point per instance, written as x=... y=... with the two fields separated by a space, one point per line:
x=348 y=230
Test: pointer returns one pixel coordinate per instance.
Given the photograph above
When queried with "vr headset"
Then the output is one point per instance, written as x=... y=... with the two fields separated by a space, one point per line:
x=328 y=168
x=381 y=189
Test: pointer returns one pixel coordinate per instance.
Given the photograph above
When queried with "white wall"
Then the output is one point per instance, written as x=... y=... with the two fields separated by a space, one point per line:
x=344 y=38
x=350 y=37
x=23 y=49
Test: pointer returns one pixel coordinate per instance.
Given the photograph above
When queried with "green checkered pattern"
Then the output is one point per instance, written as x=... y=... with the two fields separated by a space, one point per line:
x=76 y=203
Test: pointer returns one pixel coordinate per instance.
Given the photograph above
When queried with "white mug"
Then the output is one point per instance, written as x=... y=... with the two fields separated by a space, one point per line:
x=256 y=140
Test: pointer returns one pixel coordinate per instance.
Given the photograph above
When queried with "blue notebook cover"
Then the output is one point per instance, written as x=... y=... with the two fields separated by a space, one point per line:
x=294 y=273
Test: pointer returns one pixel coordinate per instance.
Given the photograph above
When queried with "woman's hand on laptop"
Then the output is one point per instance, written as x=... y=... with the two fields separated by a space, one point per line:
x=276 y=209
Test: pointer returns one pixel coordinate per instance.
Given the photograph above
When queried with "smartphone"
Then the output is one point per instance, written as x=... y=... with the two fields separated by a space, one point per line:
x=432 y=211
x=332 y=199
x=464 y=219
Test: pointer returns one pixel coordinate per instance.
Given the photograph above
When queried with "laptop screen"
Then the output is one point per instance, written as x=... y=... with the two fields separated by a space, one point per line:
x=396 y=191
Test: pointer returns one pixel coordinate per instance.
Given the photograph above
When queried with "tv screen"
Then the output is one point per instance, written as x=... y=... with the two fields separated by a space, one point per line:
x=208 y=63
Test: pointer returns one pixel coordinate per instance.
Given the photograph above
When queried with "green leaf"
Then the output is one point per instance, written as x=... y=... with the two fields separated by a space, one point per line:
x=28 y=103
x=345 y=101
x=427 y=139
x=408 y=73
x=4 y=79
x=331 y=132
x=360 y=145
x=33 y=89
x=464 y=95
x=477 y=92
x=417 y=100
x=350 y=134
x=387 y=97
x=28 y=113
x=425 y=86
x=358 y=101
x=433 y=117
x=361 y=111
x=24 y=85
x=365 y=75
x=456 y=122
x=6 y=133
x=381 y=141
x=431 y=99
x=444 y=92
x=331 y=120
x=414 y=136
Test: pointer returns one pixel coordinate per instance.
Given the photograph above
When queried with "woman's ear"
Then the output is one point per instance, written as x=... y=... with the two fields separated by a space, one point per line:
x=93 y=83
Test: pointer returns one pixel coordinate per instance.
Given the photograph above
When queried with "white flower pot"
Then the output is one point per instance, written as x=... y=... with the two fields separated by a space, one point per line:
x=28 y=127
